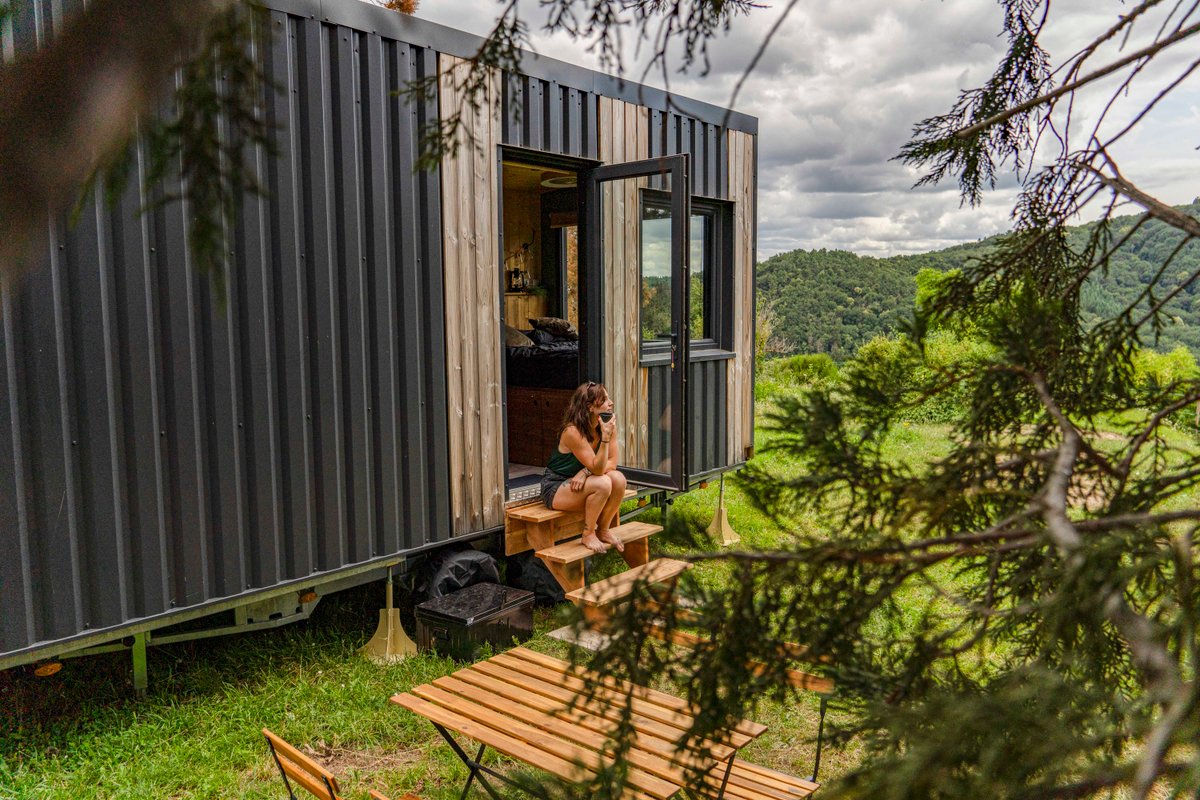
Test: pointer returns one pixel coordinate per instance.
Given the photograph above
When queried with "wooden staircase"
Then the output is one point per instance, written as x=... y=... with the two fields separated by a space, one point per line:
x=598 y=600
x=554 y=538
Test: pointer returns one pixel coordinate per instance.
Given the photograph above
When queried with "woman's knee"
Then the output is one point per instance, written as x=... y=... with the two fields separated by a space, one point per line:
x=618 y=481
x=599 y=484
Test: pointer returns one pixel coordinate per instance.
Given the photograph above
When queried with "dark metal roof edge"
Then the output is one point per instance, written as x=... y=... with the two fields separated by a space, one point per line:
x=423 y=33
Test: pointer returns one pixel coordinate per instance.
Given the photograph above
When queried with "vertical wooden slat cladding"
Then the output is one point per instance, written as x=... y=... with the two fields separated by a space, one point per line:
x=160 y=449
x=742 y=190
x=623 y=136
x=470 y=186
x=545 y=115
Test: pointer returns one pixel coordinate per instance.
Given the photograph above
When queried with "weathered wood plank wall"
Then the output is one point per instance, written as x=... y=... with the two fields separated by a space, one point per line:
x=470 y=207
x=740 y=398
x=624 y=136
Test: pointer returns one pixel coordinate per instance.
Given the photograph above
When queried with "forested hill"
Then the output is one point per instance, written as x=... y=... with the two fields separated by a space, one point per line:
x=832 y=301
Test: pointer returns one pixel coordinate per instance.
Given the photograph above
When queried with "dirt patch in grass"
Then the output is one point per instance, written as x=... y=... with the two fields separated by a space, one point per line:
x=344 y=760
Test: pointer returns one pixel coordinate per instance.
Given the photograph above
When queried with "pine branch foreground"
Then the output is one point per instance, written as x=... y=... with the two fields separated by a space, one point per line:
x=1016 y=617
x=71 y=108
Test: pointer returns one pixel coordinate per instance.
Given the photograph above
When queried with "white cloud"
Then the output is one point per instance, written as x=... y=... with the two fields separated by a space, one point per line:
x=838 y=92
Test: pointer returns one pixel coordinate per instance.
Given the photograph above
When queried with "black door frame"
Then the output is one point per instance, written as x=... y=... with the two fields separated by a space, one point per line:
x=591 y=294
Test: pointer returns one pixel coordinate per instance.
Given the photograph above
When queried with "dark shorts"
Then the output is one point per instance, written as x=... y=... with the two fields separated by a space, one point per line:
x=551 y=480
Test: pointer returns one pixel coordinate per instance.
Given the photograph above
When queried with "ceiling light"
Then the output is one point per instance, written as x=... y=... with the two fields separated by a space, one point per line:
x=552 y=180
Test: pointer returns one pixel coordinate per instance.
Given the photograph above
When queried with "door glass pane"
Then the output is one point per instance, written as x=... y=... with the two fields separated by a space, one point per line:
x=656 y=271
x=637 y=262
x=698 y=263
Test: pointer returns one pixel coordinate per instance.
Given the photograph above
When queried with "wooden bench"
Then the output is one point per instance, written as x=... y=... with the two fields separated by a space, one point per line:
x=535 y=527
x=598 y=599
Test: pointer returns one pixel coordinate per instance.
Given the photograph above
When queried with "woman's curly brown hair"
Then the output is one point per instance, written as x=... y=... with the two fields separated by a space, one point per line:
x=579 y=410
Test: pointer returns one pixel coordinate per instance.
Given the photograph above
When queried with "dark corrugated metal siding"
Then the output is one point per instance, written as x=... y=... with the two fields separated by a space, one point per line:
x=158 y=452
x=544 y=115
x=707 y=384
x=672 y=133
x=705 y=434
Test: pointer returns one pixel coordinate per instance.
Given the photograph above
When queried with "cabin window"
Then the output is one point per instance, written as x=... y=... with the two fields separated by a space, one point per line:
x=706 y=262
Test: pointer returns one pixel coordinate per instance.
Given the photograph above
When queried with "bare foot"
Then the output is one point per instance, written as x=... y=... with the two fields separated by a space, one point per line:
x=608 y=538
x=591 y=542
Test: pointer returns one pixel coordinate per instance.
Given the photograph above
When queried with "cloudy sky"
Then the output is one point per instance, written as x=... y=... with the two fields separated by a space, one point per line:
x=842 y=84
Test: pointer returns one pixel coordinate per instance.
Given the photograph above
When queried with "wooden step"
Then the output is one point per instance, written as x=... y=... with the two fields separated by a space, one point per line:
x=620 y=586
x=573 y=551
x=537 y=512
x=535 y=527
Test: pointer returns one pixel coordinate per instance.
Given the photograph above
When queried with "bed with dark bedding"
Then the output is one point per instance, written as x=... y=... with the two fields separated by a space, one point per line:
x=549 y=364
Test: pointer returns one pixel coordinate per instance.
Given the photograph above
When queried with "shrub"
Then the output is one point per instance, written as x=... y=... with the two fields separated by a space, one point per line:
x=794 y=374
x=1156 y=371
x=898 y=369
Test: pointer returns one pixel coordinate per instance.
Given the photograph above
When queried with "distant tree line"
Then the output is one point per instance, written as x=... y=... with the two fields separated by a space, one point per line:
x=833 y=301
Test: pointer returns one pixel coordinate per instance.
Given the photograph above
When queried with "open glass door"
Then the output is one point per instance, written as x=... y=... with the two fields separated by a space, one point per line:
x=634 y=296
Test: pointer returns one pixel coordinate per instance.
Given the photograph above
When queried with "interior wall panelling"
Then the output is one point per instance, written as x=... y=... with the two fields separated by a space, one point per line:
x=470 y=199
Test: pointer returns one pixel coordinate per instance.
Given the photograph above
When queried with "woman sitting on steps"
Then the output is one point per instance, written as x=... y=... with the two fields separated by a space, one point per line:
x=582 y=473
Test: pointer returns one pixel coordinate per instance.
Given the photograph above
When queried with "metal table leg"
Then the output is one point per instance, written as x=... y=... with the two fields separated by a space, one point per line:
x=477 y=769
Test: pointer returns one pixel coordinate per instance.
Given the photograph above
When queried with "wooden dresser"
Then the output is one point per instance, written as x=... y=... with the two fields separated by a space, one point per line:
x=533 y=419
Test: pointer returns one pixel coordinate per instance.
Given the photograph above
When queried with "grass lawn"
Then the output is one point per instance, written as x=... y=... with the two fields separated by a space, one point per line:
x=80 y=733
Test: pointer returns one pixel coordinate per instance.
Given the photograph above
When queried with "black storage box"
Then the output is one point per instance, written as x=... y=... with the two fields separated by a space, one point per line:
x=460 y=623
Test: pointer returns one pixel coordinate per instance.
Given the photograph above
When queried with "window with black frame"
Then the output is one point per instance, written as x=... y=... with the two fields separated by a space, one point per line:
x=706 y=224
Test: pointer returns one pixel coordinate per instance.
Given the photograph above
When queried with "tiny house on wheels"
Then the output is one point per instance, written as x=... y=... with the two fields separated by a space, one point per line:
x=391 y=365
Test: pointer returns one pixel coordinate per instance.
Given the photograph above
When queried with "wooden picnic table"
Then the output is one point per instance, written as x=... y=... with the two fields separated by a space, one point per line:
x=537 y=709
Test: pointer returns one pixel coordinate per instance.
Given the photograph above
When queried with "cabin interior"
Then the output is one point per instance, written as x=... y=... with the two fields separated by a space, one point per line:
x=540 y=279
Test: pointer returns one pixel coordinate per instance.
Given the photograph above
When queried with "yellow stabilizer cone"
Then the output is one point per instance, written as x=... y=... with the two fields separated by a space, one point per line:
x=390 y=643
x=719 y=528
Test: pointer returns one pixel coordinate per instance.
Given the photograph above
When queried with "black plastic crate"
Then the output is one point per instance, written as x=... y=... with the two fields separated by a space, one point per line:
x=460 y=623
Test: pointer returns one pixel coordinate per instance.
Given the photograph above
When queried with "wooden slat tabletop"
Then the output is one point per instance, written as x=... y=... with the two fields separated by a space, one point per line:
x=536 y=709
